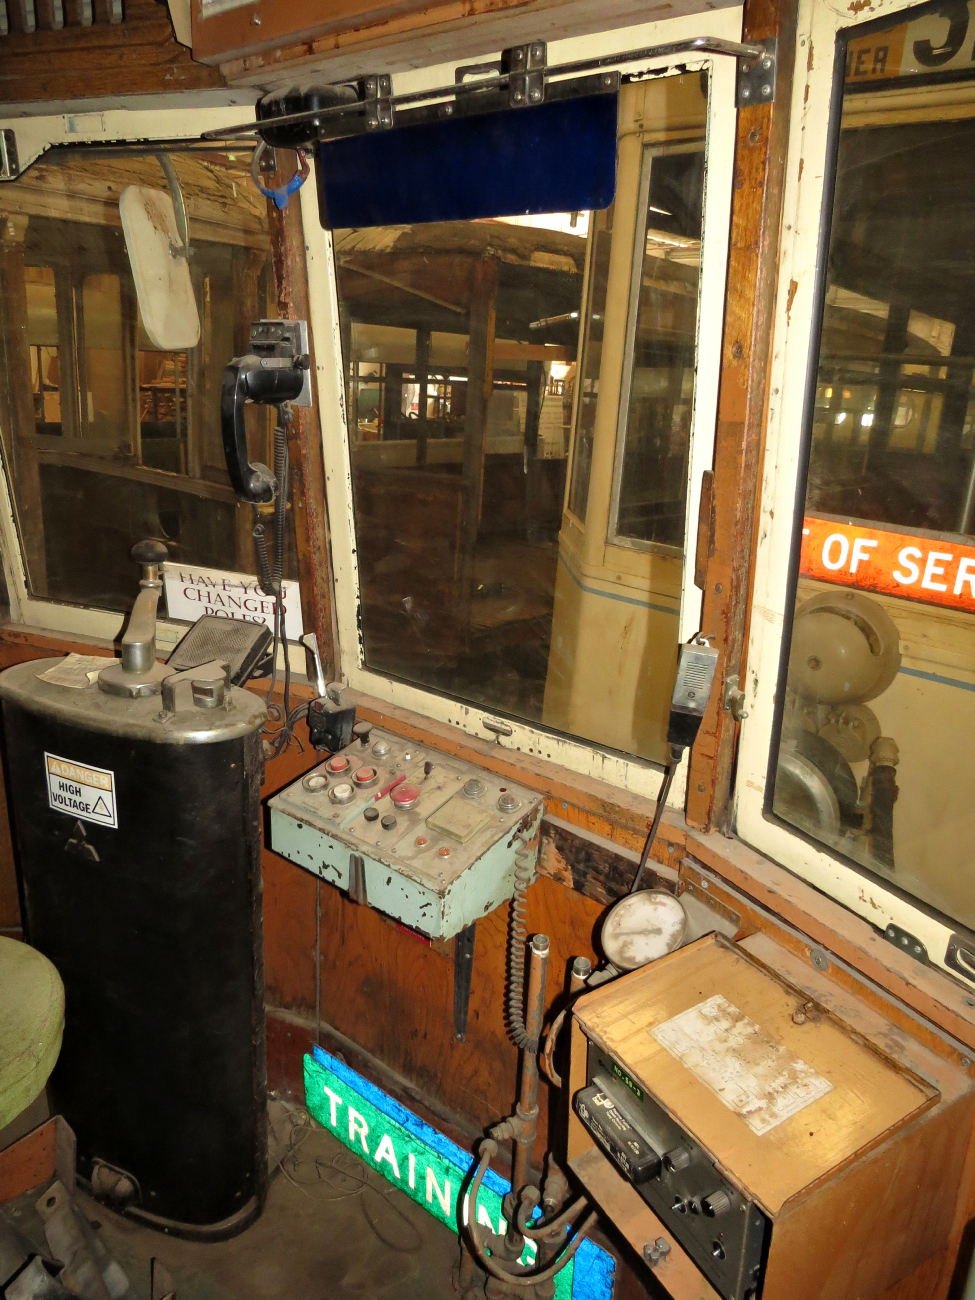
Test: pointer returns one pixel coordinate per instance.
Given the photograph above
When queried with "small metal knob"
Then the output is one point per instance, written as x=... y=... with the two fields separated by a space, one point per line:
x=717 y=1203
x=508 y=802
x=381 y=748
x=677 y=1159
x=208 y=694
x=474 y=787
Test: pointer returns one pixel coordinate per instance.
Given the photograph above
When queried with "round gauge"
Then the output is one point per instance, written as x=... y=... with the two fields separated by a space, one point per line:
x=642 y=927
x=404 y=795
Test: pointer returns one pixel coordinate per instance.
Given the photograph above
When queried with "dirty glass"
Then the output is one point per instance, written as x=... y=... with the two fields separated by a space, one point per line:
x=469 y=349
x=107 y=440
x=658 y=385
x=878 y=731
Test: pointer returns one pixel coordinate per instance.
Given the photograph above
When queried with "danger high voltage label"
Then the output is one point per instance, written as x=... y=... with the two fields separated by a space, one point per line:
x=80 y=791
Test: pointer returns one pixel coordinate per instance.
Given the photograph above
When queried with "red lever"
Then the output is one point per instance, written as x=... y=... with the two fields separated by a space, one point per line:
x=392 y=786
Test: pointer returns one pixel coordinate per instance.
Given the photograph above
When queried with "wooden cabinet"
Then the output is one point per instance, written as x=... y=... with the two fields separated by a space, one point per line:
x=802 y=1102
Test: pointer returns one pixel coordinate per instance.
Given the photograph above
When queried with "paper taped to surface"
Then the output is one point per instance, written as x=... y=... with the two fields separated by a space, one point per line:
x=758 y=1079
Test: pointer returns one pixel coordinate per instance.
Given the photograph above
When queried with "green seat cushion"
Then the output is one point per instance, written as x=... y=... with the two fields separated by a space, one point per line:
x=31 y=1024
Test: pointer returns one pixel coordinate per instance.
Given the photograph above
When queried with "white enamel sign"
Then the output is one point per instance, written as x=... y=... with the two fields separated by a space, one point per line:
x=192 y=591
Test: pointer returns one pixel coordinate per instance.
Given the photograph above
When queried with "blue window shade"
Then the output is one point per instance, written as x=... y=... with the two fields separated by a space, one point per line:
x=558 y=157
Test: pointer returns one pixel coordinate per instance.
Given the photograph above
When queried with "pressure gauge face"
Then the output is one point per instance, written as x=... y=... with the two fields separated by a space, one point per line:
x=642 y=927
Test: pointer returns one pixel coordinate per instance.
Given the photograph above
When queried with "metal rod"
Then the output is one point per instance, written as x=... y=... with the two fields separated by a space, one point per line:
x=654 y=826
x=694 y=45
x=527 y=1107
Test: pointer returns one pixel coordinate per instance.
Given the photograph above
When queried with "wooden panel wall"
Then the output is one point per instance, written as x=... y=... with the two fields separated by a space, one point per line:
x=139 y=56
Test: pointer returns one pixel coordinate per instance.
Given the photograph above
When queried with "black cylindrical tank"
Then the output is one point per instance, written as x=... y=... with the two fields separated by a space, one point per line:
x=138 y=835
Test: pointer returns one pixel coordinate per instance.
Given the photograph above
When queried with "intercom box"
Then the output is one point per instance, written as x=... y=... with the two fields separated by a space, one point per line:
x=764 y=1132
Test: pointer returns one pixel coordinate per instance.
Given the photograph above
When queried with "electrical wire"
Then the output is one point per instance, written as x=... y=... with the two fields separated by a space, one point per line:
x=676 y=752
x=488 y=1263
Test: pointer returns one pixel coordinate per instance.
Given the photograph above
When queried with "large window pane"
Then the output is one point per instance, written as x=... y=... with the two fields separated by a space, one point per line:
x=469 y=347
x=106 y=439
x=878 y=732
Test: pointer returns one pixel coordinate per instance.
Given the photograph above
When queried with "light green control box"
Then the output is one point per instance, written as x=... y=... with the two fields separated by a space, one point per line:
x=428 y=839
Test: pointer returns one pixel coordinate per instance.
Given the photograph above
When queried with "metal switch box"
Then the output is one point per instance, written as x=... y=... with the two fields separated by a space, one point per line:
x=424 y=837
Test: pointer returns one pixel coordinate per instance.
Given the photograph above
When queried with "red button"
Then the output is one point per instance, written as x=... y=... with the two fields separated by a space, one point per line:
x=405 y=795
x=337 y=764
x=364 y=775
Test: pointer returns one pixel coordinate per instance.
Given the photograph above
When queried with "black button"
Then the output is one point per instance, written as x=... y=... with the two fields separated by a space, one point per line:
x=388 y=822
x=371 y=814
x=362 y=730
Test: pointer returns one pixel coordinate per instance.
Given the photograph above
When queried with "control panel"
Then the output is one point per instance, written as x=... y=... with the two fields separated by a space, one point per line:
x=425 y=837
x=722 y=1231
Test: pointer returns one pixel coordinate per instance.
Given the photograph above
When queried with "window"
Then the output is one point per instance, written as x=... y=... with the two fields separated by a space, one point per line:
x=107 y=440
x=525 y=440
x=874 y=736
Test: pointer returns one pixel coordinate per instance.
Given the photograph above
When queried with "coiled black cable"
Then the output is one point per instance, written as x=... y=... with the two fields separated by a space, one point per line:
x=271 y=582
x=518 y=937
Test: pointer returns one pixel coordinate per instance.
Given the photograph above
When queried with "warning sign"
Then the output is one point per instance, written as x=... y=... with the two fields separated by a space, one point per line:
x=85 y=792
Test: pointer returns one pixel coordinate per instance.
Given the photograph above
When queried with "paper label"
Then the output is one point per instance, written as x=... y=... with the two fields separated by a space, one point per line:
x=758 y=1079
x=81 y=791
x=76 y=671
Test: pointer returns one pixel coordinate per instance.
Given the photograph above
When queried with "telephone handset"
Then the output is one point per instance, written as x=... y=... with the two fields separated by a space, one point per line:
x=275 y=371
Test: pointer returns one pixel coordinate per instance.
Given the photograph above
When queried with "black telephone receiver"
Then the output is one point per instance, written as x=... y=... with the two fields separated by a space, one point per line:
x=273 y=372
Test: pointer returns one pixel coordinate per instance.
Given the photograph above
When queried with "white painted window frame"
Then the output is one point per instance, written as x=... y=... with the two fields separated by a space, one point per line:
x=630 y=773
x=36 y=133
x=798 y=283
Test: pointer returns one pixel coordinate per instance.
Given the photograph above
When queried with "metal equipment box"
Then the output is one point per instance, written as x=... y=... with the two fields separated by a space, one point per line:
x=424 y=837
x=758 y=1132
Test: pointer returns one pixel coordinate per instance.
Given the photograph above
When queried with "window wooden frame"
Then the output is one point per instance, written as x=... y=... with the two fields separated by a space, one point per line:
x=807 y=205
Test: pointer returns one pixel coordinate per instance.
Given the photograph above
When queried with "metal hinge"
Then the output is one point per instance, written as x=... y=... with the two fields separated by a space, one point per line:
x=907 y=942
x=377 y=90
x=525 y=65
x=756 y=77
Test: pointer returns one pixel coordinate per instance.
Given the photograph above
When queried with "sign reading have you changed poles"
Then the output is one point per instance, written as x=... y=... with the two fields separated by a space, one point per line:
x=429 y=1168
x=192 y=591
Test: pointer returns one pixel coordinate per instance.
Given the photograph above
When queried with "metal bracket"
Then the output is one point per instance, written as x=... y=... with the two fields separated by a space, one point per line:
x=377 y=90
x=960 y=956
x=357 y=878
x=734 y=697
x=525 y=65
x=463 y=969
x=9 y=164
x=655 y=1251
x=756 y=77
x=907 y=942
x=79 y=844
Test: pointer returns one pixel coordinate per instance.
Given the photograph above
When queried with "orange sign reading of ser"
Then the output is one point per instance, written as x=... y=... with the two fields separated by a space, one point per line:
x=927 y=569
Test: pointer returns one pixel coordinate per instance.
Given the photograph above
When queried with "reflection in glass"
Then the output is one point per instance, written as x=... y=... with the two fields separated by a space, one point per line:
x=651 y=489
x=106 y=440
x=879 y=719
x=592 y=352
x=482 y=575
x=460 y=342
